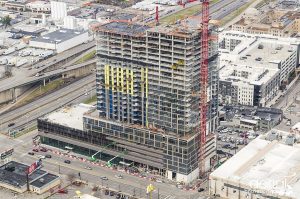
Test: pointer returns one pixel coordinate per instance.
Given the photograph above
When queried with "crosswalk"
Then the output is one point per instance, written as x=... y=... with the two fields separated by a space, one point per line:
x=168 y=197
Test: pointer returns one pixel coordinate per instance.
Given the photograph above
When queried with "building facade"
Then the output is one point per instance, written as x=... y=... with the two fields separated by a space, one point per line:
x=146 y=84
x=147 y=103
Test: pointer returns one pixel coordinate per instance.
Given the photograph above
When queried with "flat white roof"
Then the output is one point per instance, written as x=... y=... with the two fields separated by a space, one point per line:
x=87 y=196
x=256 y=75
x=296 y=126
x=266 y=166
x=69 y=116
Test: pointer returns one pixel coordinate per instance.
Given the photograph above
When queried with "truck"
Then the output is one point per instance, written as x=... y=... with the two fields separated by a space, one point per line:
x=36 y=52
x=9 y=51
x=21 y=62
x=20 y=46
x=25 y=53
x=46 y=54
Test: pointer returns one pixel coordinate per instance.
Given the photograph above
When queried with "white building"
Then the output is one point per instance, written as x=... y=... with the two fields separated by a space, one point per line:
x=252 y=67
x=58 y=10
x=268 y=167
x=39 y=6
x=247 y=85
x=60 y=40
x=70 y=22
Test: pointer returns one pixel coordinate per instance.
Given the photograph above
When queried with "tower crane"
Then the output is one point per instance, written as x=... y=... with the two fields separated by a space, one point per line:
x=203 y=84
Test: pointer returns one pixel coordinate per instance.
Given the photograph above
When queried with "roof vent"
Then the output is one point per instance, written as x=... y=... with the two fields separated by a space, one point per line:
x=272 y=136
x=290 y=140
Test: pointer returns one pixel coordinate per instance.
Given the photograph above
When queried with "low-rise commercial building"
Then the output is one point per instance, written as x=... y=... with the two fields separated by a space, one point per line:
x=13 y=177
x=39 y=6
x=275 y=22
x=268 y=167
x=60 y=40
x=249 y=117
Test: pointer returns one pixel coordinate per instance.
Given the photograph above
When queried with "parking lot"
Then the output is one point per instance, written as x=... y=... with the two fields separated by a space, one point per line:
x=231 y=140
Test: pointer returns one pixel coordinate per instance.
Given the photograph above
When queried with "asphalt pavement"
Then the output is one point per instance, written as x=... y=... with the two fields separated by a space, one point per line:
x=29 y=75
x=46 y=104
x=129 y=184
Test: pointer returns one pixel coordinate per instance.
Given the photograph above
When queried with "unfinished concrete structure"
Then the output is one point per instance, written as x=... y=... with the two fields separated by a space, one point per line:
x=147 y=99
x=147 y=83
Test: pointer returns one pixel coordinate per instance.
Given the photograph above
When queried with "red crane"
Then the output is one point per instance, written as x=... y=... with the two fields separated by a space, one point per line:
x=203 y=84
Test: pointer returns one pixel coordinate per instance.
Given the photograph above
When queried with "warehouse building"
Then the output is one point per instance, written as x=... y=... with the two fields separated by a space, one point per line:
x=147 y=108
x=267 y=168
x=60 y=40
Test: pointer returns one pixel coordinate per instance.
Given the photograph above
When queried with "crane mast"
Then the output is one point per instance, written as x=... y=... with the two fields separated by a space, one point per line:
x=203 y=83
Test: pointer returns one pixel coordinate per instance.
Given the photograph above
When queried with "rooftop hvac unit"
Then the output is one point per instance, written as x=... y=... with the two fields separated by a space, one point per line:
x=272 y=136
x=290 y=140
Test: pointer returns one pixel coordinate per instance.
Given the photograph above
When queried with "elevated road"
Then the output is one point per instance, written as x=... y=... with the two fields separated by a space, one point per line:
x=46 y=104
x=27 y=77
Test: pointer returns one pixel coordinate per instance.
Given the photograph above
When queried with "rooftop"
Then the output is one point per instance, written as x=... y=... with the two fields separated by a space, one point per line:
x=69 y=116
x=59 y=36
x=123 y=16
x=28 y=29
x=125 y=28
x=265 y=165
x=252 y=112
x=255 y=75
x=14 y=174
x=268 y=50
x=44 y=180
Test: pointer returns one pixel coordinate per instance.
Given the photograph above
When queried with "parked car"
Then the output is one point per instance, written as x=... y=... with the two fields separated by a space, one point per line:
x=35 y=150
x=226 y=146
x=11 y=124
x=103 y=178
x=30 y=153
x=67 y=161
x=159 y=181
x=43 y=149
x=62 y=191
x=201 y=189
x=48 y=156
x=119 y=176
x=88 y=168
x=42 y=157
x=111 y=193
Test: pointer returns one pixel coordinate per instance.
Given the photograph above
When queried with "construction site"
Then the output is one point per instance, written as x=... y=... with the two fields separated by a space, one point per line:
x=156 y=99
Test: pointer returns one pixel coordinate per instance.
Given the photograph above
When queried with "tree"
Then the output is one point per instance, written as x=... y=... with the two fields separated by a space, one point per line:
x=6 y=21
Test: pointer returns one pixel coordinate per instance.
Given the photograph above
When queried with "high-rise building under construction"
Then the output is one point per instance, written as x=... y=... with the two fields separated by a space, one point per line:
x=148 y=96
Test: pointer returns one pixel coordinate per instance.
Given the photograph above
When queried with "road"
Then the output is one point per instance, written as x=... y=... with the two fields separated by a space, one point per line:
x=289 y=96
x=28 y=75
x=46 y=104
x=217 y=9
x=129 y=184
